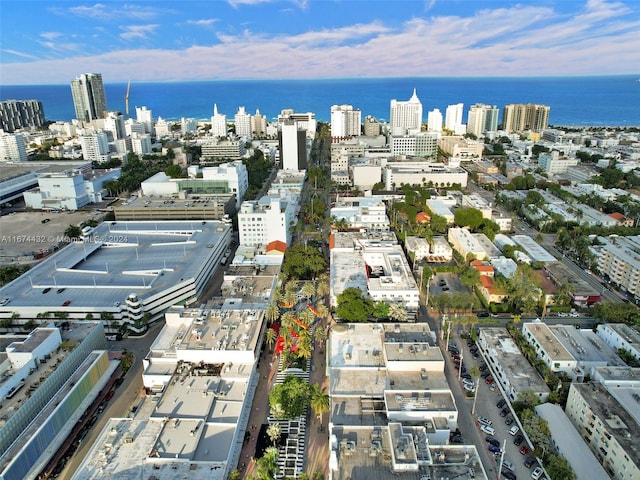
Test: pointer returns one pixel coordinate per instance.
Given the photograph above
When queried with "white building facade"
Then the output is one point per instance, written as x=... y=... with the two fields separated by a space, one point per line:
x=406 y=116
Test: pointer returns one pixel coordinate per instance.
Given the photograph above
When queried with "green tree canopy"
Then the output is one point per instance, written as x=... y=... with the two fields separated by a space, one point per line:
x=352 y=306
x=468 y=217
x=173 y=171
x=289 y=398
x=303 y=262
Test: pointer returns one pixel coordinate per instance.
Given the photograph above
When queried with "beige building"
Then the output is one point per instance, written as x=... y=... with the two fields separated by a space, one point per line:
x=466 y=244
x=519 y=117
x=460 y=147
x=610 y=430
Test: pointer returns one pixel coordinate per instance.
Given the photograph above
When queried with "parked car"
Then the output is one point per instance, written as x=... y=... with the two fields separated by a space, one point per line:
x=513 y=430
x=501 y=403
x=493 y=441
x=504 y=412
x=537 y=473
x=508 y=474
x=487 y=429
x=484 y=420
x=485 y=374
x=518 y=440
x=492 y=387
x=529 y=461
x=488 y=380
x=524 y=450
x=509 y=421
x=493 y=448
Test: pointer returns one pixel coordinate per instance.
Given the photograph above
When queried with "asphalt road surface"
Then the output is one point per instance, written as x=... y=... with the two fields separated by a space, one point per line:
x=126 y=396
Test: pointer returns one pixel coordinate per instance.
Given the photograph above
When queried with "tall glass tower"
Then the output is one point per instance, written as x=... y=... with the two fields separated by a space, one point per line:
x=88 y=97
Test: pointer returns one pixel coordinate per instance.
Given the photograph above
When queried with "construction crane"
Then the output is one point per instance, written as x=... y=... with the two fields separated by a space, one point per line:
x=126 y=98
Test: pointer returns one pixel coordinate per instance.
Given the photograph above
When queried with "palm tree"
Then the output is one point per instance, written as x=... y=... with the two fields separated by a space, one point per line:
x=308 y=290
x=267 y=466
x=319 y=335
x=319 y=401
x=273 y=431
x=289 y=298
x=306 y=317
x=322 y=288
x=322 y=310
x=398 y=312
x=286 y=319
x=272 y=312
x=304 y=345
x=270 y=337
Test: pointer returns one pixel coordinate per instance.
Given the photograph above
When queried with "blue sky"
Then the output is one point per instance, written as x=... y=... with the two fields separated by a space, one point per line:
x=53 y=41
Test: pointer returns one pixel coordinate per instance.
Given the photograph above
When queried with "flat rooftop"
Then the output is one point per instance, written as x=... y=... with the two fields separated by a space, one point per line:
x=367 y=452
x=115 y=260
x=548 y=341
x=616 y=419
x=519 y=372
x=208 y=329
x=535 y=251
x=586 y=346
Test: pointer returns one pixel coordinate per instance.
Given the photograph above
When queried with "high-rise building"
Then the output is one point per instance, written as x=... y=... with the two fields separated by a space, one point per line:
x=242 y=121
x=453 y=118
x=406 y=117
x=12 y=147
x=371 y=126
x=17 y=114
x=258 y=124
x=114 y=123
x=95 y=147
x=519 y=117
x=293 y=150
x=145 y=117
x=482 y=118
x=434 y=120
x=218 y=123
x=88 y=97
x=345 y=121
x=188 y=125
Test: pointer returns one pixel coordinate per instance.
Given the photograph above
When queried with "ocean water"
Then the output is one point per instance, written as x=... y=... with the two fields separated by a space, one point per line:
x=579 y=101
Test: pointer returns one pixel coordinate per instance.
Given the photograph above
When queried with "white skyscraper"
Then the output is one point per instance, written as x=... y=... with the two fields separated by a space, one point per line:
x=292 y=146
x=406 y=117
x=95 y=147
x=345 y=121
x=114 y=123
x=12 y=147
x=218 y=123
x=453 y=118
x=145 y=117
x=434 y=120
x=88 y=97
x=243 y=123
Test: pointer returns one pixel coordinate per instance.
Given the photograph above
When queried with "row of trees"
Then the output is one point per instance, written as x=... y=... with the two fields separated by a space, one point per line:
x=290 y=398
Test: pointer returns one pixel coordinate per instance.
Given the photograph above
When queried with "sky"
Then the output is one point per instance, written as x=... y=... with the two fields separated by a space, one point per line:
x=54 y=41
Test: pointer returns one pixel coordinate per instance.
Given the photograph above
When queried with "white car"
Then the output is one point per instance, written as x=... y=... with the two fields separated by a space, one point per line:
x=537 y=473
x=469 y=388
x=488 y=430
x=513 y=430
x=574 y=314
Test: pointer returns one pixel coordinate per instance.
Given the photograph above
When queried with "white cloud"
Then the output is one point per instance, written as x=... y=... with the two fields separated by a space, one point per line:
x=137 y=31
x=18 y=54
x=204 y=22
x=51 y=35
x=103 y=12
x=599 y=38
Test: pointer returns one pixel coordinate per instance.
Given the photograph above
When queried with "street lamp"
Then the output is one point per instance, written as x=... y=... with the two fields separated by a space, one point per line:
x=475 y=398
